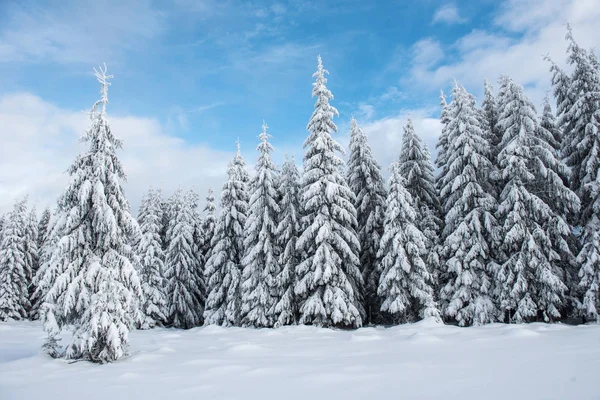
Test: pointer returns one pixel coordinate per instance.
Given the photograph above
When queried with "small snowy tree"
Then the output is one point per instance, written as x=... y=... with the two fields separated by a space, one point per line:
x=442 y=144
x=260 y=264
x=32 y=254
x=96 y=288
x=287 y=234
x=405 y=286
x=490 y=110
x=417 y=170
x=208 y=225
x=223 y=269
x=366 y=182
x=472 y=231
x=43 y=227
x=152 y=259
x=329 y=280
x=184 y=291
x=530 y=281
x=14 y=268
x=45 y=276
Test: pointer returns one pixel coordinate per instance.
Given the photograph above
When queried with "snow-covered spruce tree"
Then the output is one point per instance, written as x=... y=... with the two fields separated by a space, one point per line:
x=184 y=291
x=96 y=287
x=43 y=227
x=45 y=276
x=417 y=170
x=260 y=263
x=489 y=107
x=14 y=268
x=32 y=254
x=530 y=281
x=150 y=250
x=405 y=286
x=223 y=269
x=442 y=145
x=579 y=113
x=208 y=225
x=287 y=233
x=365 y=181
x=548 y=122
x=472 y=232
x=329 y=280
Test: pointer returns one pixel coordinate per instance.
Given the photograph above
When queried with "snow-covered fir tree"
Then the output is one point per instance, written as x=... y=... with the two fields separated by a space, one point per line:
x=208 y=225
x=32 y=254
x=365 y=181
x=405 y=286
x=14 y=268
x=43 y=227
x=490 y=111
x=184 y=290
x=96 y=287
x=45 y=276
x=150 y=249
x=288 y=230
x=417 y=170
x=329 y=280
x=530 y=280
x=442 y=144
x=223 y=268
x=472 y=232
x=260 y=263
x=578 y=104
x=548 y=122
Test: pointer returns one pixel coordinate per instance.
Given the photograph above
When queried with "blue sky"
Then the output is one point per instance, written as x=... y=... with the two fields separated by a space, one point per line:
x=193 y=76
x=211 y=71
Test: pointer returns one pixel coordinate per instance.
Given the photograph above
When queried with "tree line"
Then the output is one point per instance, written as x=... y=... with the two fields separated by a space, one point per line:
x=508 y=230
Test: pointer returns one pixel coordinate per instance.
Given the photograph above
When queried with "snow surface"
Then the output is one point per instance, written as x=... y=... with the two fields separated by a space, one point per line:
x=422 y=360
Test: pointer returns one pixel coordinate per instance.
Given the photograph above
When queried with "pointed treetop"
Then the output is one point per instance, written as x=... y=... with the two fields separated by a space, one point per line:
x=264 y=136
x=101 y=76
x=443 y=98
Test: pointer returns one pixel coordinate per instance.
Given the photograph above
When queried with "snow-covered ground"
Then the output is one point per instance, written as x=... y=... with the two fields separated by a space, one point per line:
x=416 y=361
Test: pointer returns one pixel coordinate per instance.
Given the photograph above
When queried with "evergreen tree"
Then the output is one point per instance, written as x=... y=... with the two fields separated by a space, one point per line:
x=405 y=286
x=46 y=274
x=14 y=268
x=578 y=104
x=43 y=227
x=96 y=287
x=329 y=279
x=490 y=114
x=530 y=280
x=287 y=233
x=208 y=225
x=260 y=264
x=417 y=170
x=472 y=231
x=32 y=254
x=442 y=144
x=223 y=269
x=366 y=182
x=152 y=259
x=548 y=122
x=184 y=291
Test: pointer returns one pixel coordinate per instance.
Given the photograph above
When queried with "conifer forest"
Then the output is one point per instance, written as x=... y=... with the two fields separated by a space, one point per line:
x=502 y=227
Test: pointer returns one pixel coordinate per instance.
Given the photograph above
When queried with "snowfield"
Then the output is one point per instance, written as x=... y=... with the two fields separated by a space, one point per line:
x=414 y=361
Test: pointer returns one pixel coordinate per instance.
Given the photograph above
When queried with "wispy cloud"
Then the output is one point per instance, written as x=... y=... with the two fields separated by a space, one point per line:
x=448 y=14
x=73 y=31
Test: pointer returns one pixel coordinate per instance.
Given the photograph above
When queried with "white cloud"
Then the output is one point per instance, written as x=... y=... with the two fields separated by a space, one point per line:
x=490 y=53
x=73 y=31
x=448 y=14
x=40 y=140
